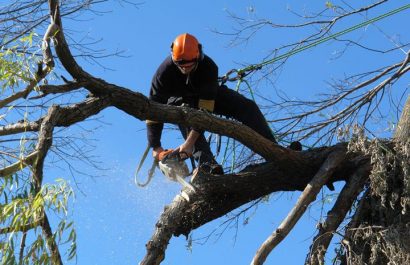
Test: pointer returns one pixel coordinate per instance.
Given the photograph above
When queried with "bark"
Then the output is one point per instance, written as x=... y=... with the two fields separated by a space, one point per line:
x=218 y=195
x=402 y=133
x=43 y=145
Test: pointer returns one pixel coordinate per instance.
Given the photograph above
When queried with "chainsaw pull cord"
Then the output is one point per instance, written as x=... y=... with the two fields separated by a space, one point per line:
x=150 y=172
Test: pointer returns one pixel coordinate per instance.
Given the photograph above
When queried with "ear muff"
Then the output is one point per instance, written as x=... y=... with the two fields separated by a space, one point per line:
x=201 y=53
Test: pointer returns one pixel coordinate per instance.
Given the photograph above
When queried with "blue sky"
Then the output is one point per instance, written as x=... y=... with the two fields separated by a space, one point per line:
x=114 y=219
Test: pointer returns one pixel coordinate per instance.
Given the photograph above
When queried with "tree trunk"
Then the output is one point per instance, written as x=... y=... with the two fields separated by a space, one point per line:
x=402 y=133
x=379 y=232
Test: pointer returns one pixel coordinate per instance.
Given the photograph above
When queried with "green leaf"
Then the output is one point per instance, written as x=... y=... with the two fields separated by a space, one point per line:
x=329 y=4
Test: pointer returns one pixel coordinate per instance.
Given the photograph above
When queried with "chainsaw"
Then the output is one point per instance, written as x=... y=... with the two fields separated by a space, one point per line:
x=174 y=167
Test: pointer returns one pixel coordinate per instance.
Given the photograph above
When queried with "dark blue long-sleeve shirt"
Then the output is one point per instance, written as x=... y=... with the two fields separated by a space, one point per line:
x=199 y=88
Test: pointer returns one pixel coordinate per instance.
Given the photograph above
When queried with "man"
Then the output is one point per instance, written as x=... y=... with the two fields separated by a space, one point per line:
x=188 y=76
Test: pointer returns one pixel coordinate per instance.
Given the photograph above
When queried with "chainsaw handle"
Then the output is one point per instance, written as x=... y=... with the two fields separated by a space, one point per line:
x=163 y=154
x=180 y=157
x=177 y=153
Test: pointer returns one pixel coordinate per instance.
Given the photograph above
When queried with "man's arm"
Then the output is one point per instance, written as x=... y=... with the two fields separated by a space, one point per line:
x=158 y=94
x=187 y=147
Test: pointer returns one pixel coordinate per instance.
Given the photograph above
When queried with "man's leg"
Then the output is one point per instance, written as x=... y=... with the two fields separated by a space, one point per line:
x=233 y=105
x=202 y=152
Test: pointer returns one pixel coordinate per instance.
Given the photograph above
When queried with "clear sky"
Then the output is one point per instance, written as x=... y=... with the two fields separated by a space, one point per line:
x=114 y=218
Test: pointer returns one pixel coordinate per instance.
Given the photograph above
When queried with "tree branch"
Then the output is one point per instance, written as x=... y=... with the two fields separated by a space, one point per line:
x=53 y=89
x=218 y=195
x=13 y=168
x=70 y=115
x=24 y=93
x=52 y=245
x=23 y=228
x=336 y=216
x=309 y=194
x=22 y=246
x=43 y=145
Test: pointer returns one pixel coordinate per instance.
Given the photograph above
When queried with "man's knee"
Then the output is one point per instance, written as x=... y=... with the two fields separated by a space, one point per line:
x=251 y=105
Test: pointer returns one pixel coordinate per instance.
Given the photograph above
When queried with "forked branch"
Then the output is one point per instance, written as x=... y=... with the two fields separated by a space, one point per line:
x=337 y=214
x=308 y=196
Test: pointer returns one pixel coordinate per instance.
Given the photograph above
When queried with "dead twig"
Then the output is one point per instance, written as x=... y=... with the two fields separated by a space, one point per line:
x=309 y=195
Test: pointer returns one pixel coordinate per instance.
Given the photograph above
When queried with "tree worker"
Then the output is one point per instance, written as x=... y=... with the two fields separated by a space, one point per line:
x=188 y=76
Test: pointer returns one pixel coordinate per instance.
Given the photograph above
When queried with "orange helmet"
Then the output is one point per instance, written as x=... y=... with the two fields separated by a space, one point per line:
x=185 y=48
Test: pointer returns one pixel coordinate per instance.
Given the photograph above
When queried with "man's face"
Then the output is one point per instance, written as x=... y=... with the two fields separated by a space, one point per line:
x=186 y=68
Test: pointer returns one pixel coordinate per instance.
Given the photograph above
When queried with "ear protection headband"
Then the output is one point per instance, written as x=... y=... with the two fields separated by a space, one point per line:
x=201 y=53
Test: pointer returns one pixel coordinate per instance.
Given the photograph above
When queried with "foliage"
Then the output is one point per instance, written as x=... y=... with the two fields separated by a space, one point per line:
x=16 y=64
x=22 y=210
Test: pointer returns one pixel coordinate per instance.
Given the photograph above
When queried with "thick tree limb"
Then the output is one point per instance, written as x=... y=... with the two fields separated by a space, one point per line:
x=308 y=196
x=69 y=115
x=43 y=145
x=19 y=127
x=218 y=195
x=337 y=214
x=165 y=228
x=51 y=243
x=50 y=33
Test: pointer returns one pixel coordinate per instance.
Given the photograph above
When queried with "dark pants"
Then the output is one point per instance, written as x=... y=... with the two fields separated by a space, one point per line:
x=231 y=104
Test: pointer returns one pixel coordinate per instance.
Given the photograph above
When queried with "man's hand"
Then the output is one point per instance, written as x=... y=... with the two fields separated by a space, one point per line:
x=186 y=149
x=159 y=153
x=156 y=151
